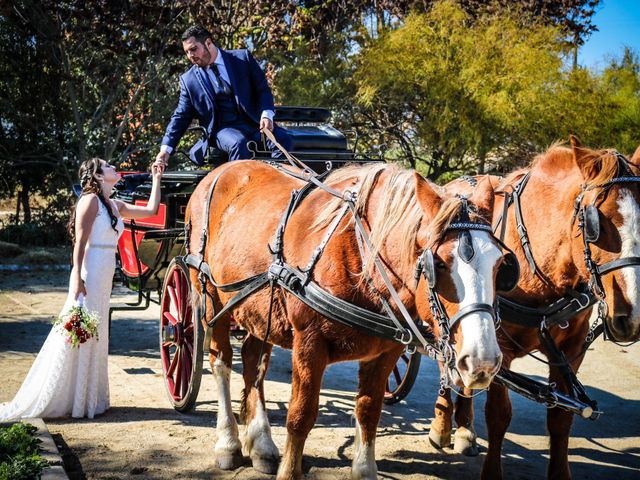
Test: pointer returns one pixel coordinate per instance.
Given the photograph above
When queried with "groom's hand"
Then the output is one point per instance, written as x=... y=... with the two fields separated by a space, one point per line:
x=162 y=159
x=266 y=124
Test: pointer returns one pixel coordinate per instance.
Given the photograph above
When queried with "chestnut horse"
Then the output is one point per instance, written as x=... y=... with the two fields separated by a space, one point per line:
x=404 y=215
x=553 y=220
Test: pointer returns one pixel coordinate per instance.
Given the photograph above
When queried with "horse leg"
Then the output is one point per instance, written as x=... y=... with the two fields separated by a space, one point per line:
x=498 y=417
x=559 y=426
x=257 y=443
x=440 y=430
x=465 y=437
x=309 y=360
x=373 y=375
x=228 y=452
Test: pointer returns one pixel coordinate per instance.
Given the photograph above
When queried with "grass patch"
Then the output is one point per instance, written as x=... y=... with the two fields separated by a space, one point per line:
x=9 y=250
x=20 y=457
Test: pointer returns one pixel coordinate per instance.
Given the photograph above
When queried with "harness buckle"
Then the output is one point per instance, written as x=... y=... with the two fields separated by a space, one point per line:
x=403 y=336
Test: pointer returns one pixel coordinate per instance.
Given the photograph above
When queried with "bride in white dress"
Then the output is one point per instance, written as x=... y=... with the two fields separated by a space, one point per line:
x=64 y=380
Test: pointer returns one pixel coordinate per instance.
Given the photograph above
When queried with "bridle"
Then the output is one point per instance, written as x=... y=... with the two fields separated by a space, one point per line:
x=589 y=225
x=426 y=268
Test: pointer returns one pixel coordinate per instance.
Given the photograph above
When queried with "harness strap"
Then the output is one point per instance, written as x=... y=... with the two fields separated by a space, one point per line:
x=319 y=250
x=575 y=388
x=472 y=308
x=555 y=314
x=503 y=217
x=385 y=278
x=385 y=304
x=251 y=285
x=338 y=309
x=616 y=264
x=522 y=230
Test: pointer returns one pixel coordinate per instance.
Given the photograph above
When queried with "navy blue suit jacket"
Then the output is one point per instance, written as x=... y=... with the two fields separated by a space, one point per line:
x=249 y=86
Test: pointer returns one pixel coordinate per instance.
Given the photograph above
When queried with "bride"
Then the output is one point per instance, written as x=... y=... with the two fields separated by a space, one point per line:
x=64 y=380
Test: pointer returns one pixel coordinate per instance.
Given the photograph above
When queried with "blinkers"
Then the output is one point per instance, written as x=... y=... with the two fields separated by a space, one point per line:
x=508 y=273
x=591 y=223
x=506 y=278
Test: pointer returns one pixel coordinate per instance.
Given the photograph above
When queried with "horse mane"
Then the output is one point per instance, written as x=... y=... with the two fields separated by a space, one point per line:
x=399 y=209
x=605 y=164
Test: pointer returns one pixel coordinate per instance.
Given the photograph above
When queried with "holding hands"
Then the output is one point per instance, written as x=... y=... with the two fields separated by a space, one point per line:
x=162 y=160
x=157 y=169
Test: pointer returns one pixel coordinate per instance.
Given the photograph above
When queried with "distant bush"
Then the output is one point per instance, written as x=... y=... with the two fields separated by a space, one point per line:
x=34 y=234
x=48 y=226
x=37 y=257
x=9 y=250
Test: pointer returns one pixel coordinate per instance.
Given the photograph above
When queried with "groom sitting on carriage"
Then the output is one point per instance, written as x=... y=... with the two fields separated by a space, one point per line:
x=228 y=92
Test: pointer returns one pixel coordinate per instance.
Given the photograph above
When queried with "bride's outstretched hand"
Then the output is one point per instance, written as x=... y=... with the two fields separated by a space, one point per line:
x=157 y=171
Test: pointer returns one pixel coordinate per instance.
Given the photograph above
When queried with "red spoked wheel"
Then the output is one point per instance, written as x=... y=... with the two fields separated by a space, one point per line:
x=402 y=377
x=181 y=338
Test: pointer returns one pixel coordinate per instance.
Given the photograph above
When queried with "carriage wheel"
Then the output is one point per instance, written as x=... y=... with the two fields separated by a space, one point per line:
x=181 y=338
x=402 y=377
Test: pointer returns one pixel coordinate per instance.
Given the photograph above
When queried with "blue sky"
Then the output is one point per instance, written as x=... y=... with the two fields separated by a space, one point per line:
x=618 y=22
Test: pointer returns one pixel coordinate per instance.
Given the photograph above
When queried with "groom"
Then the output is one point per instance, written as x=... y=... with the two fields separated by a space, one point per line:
x=226 y=90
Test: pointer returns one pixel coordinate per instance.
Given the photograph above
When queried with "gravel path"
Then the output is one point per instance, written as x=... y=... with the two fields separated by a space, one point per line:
x=141 y=436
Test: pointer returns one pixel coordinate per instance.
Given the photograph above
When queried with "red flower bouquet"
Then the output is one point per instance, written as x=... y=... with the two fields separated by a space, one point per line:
x=78 y=325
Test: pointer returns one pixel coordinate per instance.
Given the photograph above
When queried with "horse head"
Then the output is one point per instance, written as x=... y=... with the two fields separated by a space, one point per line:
x=608 y=234
x=461 y=263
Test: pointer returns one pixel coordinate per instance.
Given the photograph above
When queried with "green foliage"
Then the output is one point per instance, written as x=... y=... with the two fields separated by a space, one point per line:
x=19 y=455
x=459 y=88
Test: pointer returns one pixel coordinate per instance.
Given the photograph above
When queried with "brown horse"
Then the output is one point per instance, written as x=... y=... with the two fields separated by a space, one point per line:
x=553 y=222
x=404 y=214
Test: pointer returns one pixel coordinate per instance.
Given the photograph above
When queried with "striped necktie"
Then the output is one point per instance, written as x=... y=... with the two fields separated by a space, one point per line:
x=224 y=86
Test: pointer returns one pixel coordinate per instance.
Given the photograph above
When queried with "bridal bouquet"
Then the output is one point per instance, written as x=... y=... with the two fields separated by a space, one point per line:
x=77 y=325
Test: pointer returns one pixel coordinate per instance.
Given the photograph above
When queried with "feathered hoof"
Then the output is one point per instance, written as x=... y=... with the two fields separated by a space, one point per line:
x=439 y=440
x=229 y=460
x=267 y=465
x=465 y=443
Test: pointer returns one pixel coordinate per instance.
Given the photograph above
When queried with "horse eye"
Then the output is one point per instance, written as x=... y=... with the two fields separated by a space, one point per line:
x=440 y=265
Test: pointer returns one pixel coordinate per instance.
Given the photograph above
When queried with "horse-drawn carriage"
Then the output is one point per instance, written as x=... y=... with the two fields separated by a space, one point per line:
x=153 y=259
x=150 y=250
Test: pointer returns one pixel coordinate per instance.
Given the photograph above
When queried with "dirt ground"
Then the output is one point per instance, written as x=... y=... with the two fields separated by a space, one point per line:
x=141 y=436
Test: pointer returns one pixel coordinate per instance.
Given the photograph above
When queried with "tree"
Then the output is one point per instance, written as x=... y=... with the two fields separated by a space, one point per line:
x=447 y=89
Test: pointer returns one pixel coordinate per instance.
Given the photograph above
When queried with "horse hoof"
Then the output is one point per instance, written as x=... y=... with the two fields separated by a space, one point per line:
x=229 y=460
x=465 y=443
x=268 y=465
x=439 y=440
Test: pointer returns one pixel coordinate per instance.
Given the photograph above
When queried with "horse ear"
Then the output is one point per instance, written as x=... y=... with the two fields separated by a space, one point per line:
x=427 y=197
x=635 y=159
x=484 y=197
x=575 y=142
x=584 y=159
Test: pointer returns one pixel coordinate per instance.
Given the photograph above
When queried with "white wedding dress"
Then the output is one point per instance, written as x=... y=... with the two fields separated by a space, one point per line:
x=74 y=381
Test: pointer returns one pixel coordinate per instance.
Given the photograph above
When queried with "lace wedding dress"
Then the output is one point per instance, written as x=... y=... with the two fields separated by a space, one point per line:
x=65 y=380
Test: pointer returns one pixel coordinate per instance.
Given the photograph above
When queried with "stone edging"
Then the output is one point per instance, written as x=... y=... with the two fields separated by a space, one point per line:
x=32 y=268
x=48 y=451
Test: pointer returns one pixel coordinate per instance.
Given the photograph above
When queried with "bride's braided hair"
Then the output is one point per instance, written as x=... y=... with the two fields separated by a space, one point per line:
x=89 y=184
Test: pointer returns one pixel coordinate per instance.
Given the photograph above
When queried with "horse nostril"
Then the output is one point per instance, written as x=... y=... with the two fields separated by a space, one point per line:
x=621 y=323
x=465 y=364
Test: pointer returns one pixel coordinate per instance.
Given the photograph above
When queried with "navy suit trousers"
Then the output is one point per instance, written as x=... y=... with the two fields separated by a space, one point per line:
x=233 y=140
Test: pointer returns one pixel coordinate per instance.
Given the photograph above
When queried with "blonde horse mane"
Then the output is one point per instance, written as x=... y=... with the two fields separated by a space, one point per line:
x=399 y=209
